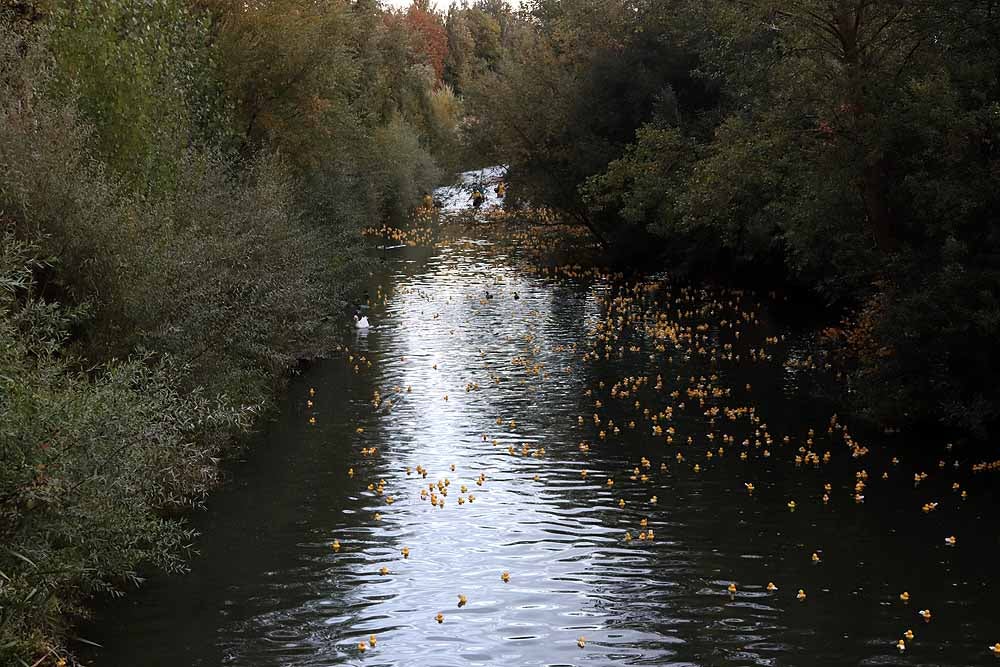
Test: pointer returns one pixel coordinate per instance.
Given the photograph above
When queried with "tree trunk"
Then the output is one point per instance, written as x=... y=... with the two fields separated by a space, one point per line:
x=848 y=18
x=879 y=216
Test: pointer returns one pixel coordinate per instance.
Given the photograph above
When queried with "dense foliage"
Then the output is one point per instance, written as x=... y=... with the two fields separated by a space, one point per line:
x=182 y=183
x=851 y=147
x=182 y=188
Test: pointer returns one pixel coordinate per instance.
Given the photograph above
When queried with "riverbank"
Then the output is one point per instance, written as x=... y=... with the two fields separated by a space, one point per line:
x=183 y=190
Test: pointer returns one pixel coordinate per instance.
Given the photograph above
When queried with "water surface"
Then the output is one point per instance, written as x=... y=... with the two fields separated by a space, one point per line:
x=267 y=588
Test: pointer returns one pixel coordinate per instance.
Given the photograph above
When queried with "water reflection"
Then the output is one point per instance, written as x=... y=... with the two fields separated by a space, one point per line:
x=268 y=589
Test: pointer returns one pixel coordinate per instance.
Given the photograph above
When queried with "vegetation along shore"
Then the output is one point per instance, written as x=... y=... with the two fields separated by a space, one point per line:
x=186 y=187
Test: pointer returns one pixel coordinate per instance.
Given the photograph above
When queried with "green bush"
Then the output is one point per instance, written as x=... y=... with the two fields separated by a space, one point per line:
x=182 y=189
x=143 y=75
x=222 y=272
x=403 y=169
x=90 y=461
x=186 y=305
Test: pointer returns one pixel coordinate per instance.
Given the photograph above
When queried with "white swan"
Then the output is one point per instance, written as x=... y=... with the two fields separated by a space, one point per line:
x=361 y=322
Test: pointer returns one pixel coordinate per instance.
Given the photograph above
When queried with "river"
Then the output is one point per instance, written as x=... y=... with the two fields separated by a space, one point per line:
x=495 y=381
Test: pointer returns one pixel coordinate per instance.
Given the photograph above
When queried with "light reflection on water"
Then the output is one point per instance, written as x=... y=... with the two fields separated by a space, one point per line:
x=268 y=589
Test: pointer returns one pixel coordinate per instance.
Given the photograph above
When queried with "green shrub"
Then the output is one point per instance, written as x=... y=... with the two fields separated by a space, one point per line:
x=90 y=460
x=142 y=73
x=222 y=272
x=403 y=169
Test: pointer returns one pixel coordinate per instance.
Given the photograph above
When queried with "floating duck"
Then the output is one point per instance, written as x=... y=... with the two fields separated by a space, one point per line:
x=801 y=595
x=361 y=322
x=582 y=641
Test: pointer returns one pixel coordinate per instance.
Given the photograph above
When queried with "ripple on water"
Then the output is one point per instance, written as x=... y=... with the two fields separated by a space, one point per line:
x=272 y=592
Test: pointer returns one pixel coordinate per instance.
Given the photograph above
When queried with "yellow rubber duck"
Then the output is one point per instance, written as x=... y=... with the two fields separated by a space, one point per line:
x=909 y=635
x=951 y=540
x=362 y=646
x=815 y=557
x=505 y=577
x=439 y=618
x=462 y=600
x=732 y=589
x=801 y=595
x=405 y=551
x=904 y=596
x=771 y=587
x=995 y=650
x=582 y=641
x=383 y=570
x=901 y=645
x=791 y=505
x=335 y=546
x=925 y=614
